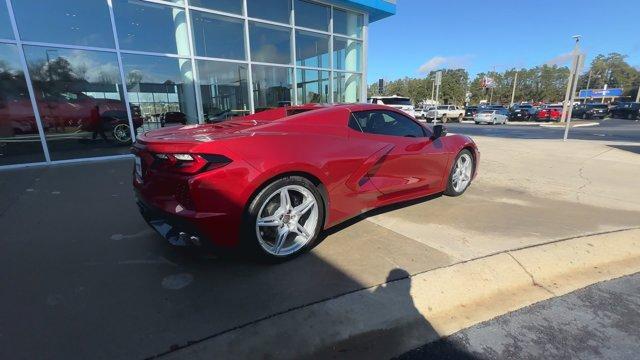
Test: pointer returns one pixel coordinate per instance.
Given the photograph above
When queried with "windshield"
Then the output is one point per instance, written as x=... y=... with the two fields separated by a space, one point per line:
x=396 y=101
x=598 y=106
x=487 y=112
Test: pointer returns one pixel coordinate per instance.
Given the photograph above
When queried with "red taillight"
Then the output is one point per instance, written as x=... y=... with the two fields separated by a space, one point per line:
x=189 y=163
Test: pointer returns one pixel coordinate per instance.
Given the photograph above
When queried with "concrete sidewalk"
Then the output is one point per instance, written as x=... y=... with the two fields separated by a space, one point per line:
x=78 y=262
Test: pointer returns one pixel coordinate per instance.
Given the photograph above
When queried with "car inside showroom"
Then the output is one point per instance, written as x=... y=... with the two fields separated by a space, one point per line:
x=79 y=80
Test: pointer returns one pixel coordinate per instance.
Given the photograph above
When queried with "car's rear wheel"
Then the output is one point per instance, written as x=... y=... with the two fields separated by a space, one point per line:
x=284 y=219
x=460 y=117
x=630 y=116
x=461 y=173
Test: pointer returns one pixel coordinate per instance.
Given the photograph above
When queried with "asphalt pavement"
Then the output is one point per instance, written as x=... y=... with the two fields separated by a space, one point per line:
x=601 y=321
x=83 y=276
x=607 y=129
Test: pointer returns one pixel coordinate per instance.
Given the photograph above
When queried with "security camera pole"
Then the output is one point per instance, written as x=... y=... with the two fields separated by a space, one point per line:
x=568 y=95
x=438 y=83
x=576 y=66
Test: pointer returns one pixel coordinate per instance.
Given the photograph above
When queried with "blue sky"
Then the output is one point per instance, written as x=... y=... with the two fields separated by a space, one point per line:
x=480 y=34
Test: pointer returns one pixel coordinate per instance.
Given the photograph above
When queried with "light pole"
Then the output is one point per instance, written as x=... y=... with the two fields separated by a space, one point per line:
x=572 y=74
x=513 y=93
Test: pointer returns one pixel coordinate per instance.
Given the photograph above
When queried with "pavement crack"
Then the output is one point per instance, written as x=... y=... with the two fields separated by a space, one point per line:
x=533 y=280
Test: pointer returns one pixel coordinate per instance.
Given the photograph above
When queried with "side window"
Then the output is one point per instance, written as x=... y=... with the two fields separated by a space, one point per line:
x=385 y=123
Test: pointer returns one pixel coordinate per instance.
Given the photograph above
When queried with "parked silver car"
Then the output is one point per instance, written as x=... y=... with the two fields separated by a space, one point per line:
x=491 y=117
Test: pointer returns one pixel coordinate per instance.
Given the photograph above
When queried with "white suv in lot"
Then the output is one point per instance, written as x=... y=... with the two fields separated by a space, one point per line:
x=398 y=102
x=446 y=112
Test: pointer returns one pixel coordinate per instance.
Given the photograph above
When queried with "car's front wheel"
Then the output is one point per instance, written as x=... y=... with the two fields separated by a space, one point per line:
x=284 y=219
x=461 y=174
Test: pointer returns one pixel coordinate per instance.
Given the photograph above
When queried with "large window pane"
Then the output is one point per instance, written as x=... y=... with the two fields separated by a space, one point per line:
x=347 y=54
x=272 y=86
x=218 y=36
x=162 y=88
x=19 y=136
x=5 y=26
x=346 y=87
x=145 y=26
x=80 y=99
x=72 y=22
x=274 y=10
x=224 y=89
x=312 y=15
x=313 y=86
x=312 y=49
x=230 y=6
x=270 y=43
x=347 y=23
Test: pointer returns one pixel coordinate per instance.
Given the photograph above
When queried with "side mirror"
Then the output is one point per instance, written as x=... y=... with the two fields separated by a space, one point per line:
x=438 y=132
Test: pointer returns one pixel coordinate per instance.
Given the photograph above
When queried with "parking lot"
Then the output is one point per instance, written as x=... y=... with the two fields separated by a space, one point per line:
x=85 y=277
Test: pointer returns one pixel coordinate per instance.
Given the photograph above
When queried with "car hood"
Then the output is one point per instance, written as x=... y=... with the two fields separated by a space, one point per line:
x=203 y=133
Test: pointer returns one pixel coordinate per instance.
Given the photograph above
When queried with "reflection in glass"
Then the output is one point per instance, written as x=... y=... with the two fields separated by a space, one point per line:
x=19 y=136
x=80 y=99
x=272 y=86
x=224 y=89
x=230 y=6
x=274 y=10
x=162 y=88
x=145 y=26
x=347 y=23
x=5 y=26
x=346 y=87
x=313 y=86
x=347 y=54
x=218 y=36
x=71 y=22
x=312 y=49
x=312 y=15
x=270 y=43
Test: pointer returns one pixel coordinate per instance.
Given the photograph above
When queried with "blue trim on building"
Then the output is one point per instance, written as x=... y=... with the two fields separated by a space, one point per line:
x=377 y=9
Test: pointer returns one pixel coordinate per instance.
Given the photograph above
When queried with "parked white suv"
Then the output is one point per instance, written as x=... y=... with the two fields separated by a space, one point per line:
x=395 y=101
x=446 y=112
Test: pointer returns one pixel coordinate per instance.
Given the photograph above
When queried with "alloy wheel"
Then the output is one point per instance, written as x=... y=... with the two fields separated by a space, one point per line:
x=287 y=220
x=462 y=172
x=121 y=133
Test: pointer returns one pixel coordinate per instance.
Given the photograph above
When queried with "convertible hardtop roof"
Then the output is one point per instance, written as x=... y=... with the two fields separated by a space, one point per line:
x=282 y=112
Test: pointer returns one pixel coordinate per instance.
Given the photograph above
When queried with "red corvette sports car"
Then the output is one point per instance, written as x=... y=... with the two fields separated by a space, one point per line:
x=272 y=181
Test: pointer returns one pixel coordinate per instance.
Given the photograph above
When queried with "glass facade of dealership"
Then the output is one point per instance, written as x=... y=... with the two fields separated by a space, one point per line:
x=79 y=79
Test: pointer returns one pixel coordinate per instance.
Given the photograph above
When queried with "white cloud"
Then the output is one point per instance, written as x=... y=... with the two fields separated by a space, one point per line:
x=560 y=59
x=444 y=62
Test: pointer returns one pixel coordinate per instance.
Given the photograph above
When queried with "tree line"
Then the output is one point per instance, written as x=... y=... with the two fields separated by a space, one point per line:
x=544 y=83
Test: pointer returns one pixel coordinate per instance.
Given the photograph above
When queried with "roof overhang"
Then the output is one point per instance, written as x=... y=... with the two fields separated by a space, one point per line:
x=377 y=9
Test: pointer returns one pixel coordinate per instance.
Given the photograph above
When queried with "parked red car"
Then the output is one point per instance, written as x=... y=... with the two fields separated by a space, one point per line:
x=272 y=181
x=549 y=113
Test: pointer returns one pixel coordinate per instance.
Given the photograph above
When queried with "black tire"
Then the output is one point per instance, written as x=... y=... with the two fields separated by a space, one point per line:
x=460 y=117
x=444 y=119
x=450 y=191
x=630 y=116
x=477 y=123
x=249 y=237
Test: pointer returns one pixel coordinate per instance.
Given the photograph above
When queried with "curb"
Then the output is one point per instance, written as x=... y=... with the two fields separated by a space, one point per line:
x=392 y=318
x=573 y=126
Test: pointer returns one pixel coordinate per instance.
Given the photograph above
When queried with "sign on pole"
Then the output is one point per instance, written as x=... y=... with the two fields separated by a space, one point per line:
x=438 y=78
x=380 y=86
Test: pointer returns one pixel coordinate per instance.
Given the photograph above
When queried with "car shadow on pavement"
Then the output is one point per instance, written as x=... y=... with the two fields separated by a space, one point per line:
x=630 y=148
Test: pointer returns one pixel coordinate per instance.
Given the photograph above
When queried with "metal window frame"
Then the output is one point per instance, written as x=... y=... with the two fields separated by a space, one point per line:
x=363 y=38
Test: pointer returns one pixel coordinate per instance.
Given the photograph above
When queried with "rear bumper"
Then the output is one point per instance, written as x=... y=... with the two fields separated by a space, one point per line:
x=210 y=231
